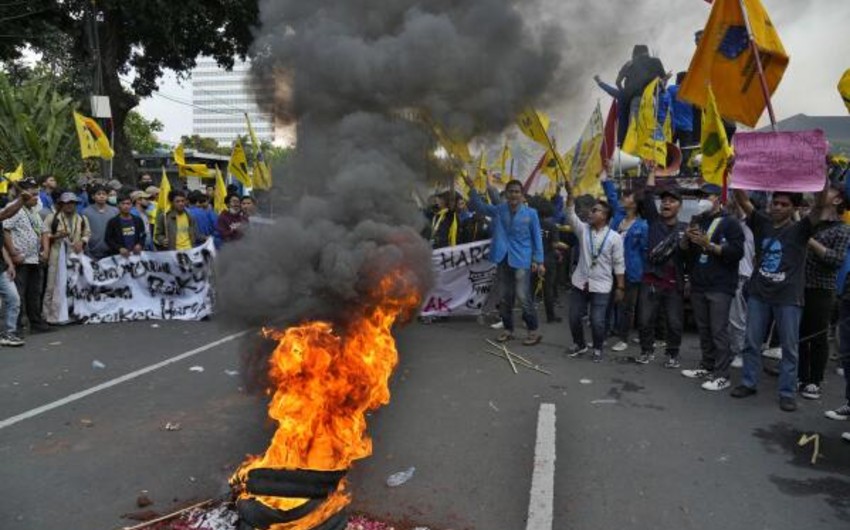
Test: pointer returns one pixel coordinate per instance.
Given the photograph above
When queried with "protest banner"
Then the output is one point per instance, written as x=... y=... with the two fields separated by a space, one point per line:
x=464 y=278
x=173 y=285
x=780 y=161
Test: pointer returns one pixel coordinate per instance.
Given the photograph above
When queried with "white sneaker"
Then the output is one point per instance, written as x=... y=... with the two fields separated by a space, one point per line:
x=842 y=413
x=620 y=346
x=810 y=391
x=716 y=384
x=845 y=436
x=636 y=340
x=772 y=353
x=498 y=325
x=737 y=362
x=840 y=371
x=577 y=351
x=696 y=373
x=660 y=344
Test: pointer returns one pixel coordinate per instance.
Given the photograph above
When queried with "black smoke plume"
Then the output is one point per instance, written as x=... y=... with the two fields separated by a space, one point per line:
x=346 y=71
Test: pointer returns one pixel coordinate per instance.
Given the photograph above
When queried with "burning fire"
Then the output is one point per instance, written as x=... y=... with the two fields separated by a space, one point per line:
x=323 y=385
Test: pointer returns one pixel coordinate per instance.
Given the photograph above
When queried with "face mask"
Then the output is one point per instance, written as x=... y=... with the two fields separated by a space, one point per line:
x=704 y=206
x=150 y=207
x=234 y=211
x=112 y=200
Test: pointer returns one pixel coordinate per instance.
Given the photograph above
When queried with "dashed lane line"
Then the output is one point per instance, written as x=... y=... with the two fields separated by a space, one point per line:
x=541 y=501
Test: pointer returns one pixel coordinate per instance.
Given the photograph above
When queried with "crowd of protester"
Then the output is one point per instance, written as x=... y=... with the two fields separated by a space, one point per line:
x=100 y=220
x=760 y=275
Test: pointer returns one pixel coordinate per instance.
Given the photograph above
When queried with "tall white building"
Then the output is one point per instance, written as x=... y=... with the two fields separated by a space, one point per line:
x=222 y=98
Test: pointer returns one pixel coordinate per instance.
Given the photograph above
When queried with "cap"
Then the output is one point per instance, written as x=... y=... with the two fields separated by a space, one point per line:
x=152 y=190
x=68 y=197
x=114 y=184
x=711 y=189
x=671 y=193
x=28 y=183
x=139 y=194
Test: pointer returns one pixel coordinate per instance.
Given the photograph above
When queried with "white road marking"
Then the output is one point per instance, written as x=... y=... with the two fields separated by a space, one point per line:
x=118 y=380
x=541 y=502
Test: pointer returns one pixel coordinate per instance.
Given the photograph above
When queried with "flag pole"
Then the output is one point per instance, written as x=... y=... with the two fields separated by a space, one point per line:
x=759 y=66
x=532 y=176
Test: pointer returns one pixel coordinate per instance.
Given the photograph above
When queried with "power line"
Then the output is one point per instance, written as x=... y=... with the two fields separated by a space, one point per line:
x=179 y=101
x=23 y=15
x=13 y=4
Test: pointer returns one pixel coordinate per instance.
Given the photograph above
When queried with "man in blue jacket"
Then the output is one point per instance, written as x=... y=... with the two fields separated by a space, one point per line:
x=517 y=249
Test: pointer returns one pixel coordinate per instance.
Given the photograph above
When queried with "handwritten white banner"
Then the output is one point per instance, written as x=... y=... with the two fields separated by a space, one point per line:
x=464 y=279
x=172 y=285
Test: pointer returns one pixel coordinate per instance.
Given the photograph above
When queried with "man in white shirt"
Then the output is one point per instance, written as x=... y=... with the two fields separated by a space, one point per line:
x=601 y=262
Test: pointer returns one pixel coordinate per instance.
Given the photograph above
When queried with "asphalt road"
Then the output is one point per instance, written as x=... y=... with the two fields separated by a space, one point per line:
x=637 y=446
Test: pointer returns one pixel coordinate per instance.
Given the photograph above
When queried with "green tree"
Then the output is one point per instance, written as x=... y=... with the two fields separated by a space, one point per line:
x=143 y=37
x=204 y=145
x=37 y=129
x=141 y=133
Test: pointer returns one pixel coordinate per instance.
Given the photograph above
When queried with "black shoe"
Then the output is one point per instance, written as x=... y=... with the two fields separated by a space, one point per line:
x=554 y=320
x=742 y=391
x=41 y=328
x=788 y=404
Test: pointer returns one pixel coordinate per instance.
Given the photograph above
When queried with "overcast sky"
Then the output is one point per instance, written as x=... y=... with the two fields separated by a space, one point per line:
x=600 y=36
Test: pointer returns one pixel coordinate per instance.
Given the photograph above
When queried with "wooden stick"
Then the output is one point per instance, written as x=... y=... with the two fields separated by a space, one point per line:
x=167 y=517
x=759 y=66
x=528 y=366
x=524 y=360
x=511 y=361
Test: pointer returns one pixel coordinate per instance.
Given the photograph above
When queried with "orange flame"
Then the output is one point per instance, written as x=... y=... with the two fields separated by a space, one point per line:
x=324 y=383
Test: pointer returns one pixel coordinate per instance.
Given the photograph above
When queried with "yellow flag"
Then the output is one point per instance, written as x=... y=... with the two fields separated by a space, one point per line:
x=716 y=150
x=481 y=174
x=844 y=89
x=189 y=170
x=503 y=159
x=93 y=142
x=454 y=145
x=535 y=125
x=220 y=197
x=14 y=176
x=238 y=165
x=724 y=59
x=647 y=138
x=261 y=174
x=162 y=203
x=586 y=159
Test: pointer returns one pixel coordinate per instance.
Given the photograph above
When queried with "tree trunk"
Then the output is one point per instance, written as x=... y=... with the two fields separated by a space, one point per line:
x=124 y=166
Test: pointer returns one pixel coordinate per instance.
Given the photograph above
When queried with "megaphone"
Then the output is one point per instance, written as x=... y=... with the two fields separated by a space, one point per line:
x=623 y=162
x=674 y=161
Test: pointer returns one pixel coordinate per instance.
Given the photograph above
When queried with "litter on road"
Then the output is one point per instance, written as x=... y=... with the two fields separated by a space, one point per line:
x=97 y=365
x=198 y=369
x=397 y=479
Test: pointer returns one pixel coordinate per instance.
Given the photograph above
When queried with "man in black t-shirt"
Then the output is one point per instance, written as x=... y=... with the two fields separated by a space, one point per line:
x=776 y=288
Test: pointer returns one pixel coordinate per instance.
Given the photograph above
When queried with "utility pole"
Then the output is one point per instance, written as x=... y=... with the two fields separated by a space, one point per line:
x=100 y=108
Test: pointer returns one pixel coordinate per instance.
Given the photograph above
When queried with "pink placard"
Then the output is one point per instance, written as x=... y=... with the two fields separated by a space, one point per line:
x=780 y=161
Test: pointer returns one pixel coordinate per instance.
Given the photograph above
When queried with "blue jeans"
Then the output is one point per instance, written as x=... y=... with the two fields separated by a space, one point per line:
x=844 y=343
x=787 y=319
x=11 y=303
x=579 y=301
x=516 y=283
